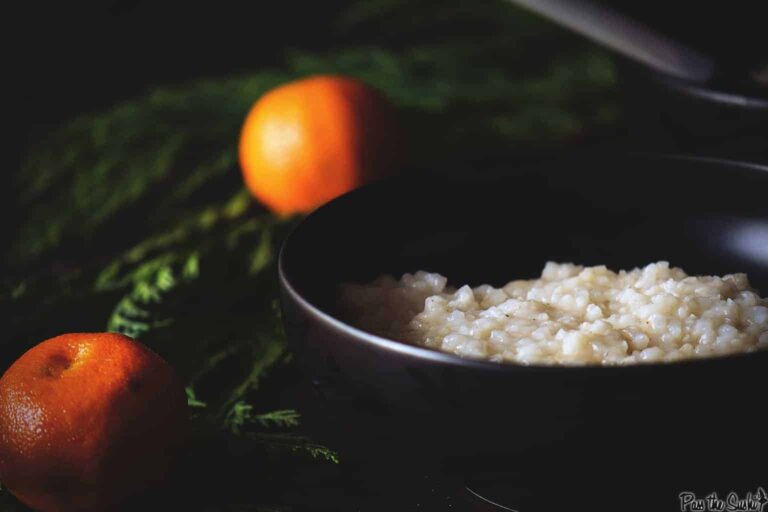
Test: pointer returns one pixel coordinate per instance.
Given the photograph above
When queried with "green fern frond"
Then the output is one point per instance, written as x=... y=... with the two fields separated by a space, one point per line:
x=294 y=443
x=19 y=290
x=155 y=152
x=285 y=418
x=262 y=255
x=191 y=267
x=264 y=357
x=192 y=400
x=241 y=415
x=132 y=315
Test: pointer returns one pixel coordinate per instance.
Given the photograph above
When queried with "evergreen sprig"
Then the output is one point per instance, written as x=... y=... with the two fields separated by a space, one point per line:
x=132 y=316
x=241 y=415
x=192 y=400
x=282 y=443
x=152 y=155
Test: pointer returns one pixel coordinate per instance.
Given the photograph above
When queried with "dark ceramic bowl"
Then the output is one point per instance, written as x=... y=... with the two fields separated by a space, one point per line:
x=725 y=117
x=695 y=423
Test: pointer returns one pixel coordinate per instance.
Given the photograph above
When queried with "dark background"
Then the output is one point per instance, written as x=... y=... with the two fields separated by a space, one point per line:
x=69 y=58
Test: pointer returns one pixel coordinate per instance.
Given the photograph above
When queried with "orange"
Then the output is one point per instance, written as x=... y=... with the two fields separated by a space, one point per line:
x=87 y=420
x=309 y=141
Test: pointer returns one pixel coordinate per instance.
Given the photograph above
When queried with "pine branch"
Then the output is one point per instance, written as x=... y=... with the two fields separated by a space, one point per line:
x=192 y=400
x=132 y=316
x=241 y=415
x=154 y=153
x=265 y=357
x=294 y=443
x=285 y=418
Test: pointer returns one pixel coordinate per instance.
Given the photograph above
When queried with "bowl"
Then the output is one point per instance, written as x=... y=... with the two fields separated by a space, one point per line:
x=693 y=423
x=726 y=117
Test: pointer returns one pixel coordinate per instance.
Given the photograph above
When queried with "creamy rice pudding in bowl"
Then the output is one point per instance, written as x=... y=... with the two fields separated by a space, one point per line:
x=609 y=354
x=570 y=315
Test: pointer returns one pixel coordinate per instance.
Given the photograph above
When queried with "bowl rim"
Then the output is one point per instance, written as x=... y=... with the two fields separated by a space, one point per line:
x=713 y=92
x=436 y=356
x=717 y=95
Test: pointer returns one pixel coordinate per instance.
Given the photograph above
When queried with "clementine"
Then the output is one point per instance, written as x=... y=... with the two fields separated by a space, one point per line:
x=309 y=141
x=87 y=420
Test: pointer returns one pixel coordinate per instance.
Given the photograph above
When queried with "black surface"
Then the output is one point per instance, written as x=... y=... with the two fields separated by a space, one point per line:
x=542 y=437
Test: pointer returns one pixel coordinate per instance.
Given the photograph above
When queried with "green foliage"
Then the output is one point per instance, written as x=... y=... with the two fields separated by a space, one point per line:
x=131 y=315
x=281 y=418
x=192 y=400
x=282 y=443
x=202 y=294
x=168 y=144
x=150 y=156
x=242 y=415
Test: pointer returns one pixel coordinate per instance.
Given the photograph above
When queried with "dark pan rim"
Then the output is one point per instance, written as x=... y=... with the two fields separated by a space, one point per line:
x=435 y=356
x=715 y=93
